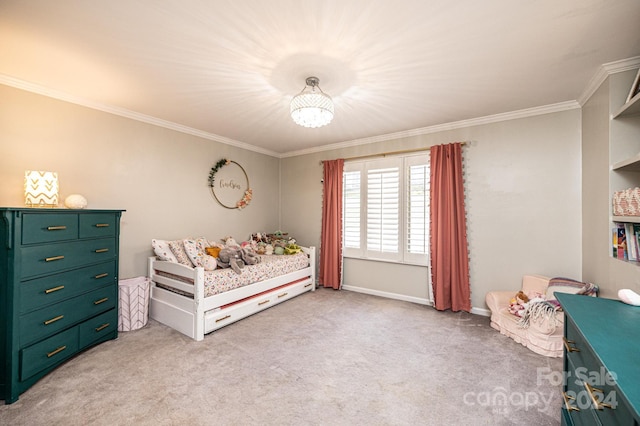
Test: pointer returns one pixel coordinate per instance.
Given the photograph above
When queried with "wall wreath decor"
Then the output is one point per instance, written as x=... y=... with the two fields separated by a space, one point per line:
x=229 y=184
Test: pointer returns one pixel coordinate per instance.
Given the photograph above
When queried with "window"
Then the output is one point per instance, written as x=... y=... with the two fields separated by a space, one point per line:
x=386 y=209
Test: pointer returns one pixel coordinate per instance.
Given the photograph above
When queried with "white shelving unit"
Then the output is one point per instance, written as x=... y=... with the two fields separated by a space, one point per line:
x=629 y=165
x=624 y=144
x=630 y=108
x=628 y=219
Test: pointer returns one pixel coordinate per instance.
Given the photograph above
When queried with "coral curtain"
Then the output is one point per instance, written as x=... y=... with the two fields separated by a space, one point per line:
x=330 y=274
x=449 y=252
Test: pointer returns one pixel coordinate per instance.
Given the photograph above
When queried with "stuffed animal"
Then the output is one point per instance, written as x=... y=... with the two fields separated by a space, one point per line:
x=518 y=303
x=249 y=256
x=231 y=258
x=230 y=242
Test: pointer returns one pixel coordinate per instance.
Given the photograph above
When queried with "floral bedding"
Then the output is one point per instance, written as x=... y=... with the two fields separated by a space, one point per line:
x=271 y=266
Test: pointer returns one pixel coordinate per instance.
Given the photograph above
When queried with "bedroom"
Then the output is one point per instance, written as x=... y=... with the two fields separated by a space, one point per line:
x=529 y=206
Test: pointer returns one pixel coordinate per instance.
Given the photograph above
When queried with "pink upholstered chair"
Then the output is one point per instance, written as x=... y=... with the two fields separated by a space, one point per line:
x=542 y=333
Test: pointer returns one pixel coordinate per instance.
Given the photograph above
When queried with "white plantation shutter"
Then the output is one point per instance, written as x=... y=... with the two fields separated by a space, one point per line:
x=417 y=209
x=351 y=210
x=386 y=209
x=383 y=208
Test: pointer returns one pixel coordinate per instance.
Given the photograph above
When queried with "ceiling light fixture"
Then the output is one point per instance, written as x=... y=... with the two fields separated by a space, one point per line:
x=311 y=107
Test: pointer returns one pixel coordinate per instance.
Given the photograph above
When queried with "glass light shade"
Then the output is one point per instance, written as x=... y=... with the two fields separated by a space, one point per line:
x=311 y=107
x=40 y=189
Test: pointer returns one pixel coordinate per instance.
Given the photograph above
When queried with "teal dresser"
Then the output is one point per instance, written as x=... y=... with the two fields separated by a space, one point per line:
x=58 y=289
x=601 y=361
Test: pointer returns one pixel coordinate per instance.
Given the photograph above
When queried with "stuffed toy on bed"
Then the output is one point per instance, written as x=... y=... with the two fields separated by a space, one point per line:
x=231 y=258
x=249 y=256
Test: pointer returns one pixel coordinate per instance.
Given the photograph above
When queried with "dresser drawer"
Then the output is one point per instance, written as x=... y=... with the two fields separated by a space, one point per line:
x=52 y=319
x=98 y=301
x=44 y=228
x=50 y=258
x=576 y=400
x=98 y=327
x=578 y=350
x=98 y=225
x=44 y=354
x=37 y=293
x=47 y=321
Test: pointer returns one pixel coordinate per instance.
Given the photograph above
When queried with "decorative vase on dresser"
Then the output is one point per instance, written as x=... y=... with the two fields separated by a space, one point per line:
x=58 y=289
x=601 y=367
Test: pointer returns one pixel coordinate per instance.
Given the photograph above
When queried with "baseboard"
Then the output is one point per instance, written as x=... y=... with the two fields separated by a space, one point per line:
x=419 y=300
x=481 y=311
x=388 y=295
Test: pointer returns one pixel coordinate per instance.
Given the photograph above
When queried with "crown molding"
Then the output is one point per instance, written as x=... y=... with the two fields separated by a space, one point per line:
x=489 y=119
x=45 y=91
x=604 y=71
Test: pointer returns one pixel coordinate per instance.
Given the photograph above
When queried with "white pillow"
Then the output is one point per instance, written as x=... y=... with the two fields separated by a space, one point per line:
x=209 y=263
x=177 y=248
x=195 y=249
x=163 y=251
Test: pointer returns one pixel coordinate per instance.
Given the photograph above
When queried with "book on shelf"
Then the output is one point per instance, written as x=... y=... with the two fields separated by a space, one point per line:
x=632 y=242
x=614 y=242
x=622 y=242
x=636 y=237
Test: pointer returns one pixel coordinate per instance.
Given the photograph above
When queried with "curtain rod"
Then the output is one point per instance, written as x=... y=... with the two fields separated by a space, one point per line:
x=384 y=154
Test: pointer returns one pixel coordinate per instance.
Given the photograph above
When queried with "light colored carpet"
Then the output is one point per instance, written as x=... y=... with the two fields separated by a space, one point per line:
x=323 y=358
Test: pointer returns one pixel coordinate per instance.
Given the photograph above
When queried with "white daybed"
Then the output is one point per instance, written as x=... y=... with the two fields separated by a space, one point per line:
x=194 y=314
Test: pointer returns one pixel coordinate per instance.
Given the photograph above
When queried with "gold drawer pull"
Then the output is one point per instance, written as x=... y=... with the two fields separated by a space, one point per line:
x=567 y=403
x=51 y=290
x=223 y=318
x=263 y=302
x=102 y=327
x=52 y=320
x=97 y=302
x=101 y=276
x=56 y=228
x=102 y=250
x=102 y=225
x=57 y=351
x=308 y=285
x=51 y=259
x=570 y=348
x=596 y=401
x=282 y=295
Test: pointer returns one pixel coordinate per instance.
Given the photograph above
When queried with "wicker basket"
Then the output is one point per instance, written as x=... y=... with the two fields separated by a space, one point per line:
x=626 y=202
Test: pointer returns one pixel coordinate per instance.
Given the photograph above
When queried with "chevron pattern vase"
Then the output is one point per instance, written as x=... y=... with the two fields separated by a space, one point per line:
x=133 y=309
x=40 y=189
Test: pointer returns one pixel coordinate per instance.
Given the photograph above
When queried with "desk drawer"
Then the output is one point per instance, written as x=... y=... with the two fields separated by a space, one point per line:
x=44 y=354
x=45 y=228
x=50 y=258
x=98 y=327
x=41 y=292
x=97 y=225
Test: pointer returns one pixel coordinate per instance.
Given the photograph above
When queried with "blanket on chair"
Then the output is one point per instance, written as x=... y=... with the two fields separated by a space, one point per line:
x=540 y=310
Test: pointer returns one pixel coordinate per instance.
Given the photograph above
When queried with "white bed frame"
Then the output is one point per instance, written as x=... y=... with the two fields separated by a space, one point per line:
x=196 y=315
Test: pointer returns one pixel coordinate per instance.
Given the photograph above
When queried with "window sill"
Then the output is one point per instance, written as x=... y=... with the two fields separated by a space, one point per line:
x=396 y=262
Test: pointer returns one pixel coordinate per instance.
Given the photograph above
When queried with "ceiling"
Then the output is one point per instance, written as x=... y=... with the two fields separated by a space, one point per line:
x=229 y=68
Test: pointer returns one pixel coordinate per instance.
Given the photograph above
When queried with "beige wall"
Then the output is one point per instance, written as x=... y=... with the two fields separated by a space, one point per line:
x=523 y=189
x=595 y=187
x=158 y=176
